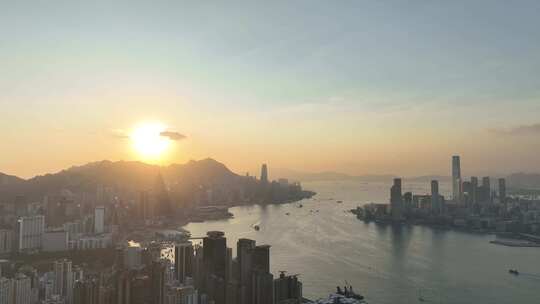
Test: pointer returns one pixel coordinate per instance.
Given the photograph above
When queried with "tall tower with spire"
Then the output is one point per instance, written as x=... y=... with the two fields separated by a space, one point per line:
x=456 y=179
x=264 y=174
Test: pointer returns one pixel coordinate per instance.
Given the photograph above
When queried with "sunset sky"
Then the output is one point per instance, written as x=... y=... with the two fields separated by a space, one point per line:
x=352 y=86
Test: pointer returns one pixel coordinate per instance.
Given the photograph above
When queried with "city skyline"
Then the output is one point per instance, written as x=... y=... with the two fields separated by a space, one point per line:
x=269 y=152
x=359 y=88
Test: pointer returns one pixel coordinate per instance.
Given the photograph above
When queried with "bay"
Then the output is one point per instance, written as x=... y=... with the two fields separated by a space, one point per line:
x=327 y=246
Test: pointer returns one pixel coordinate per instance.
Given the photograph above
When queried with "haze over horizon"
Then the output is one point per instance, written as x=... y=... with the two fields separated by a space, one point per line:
x=385 y=87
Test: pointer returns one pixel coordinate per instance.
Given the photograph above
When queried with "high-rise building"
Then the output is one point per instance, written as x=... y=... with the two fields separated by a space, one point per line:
x=215 y=253
x=486 y=182
x=123 y=288
x=486 y=189
x=182 y=295
x=264 y=173
x=6 y=241
x=63 y=284
x=143 y=209
x=183 y=261
x=263 y=288
x=474 y=190
x=502 y=190
x=157 y=282
x=435 y=198
x=133 y=257
x=261 y=258
x=99 y=220
x=245 y=263
x=456 y=179
x=30 y=231
x=6 y=291
x=86 y=292
x=396 y=200
x=287 y=289
x=22 y=289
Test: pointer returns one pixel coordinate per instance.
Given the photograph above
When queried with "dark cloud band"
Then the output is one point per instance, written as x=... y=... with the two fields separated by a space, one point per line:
x=172 y=135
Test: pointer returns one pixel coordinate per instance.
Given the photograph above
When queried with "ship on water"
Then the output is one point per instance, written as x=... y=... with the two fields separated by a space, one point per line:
x=343 y=296
x=341 y=299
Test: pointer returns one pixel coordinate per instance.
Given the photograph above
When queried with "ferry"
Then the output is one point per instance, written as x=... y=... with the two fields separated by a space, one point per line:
x=341 y=299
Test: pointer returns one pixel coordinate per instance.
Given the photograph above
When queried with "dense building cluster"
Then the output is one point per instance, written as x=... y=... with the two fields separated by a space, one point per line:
x=195 y=274
x=72 y=247
x=473 y=205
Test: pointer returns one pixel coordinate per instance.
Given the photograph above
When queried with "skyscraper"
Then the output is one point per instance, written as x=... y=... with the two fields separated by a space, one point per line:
x=435 y=200
x=63 y=284
x=6 y=290
x=474 y=189
x=263 y=288
x=287 y=289
x=264 y=174
x=215 y=251
x=245 y=262
x=22 y=289
x=261 y=258
x=99 y=220
x=502 y=190
x=157 y=282
x=456 y=178
x=144 y=206
x=183 y=261
x=30 y=230
x=486 y=186
x=123 y=288
x=396 y=200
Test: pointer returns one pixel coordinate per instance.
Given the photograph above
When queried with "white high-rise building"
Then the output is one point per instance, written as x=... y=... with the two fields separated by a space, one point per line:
x=99 y=220
x=456 y=178
x=30 y=231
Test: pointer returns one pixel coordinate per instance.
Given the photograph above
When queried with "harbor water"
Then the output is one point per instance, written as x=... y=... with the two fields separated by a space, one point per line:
x=327 y=245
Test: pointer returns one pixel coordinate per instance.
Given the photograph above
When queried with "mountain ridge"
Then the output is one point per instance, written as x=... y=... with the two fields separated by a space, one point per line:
x=518 y=180
x=128 y=176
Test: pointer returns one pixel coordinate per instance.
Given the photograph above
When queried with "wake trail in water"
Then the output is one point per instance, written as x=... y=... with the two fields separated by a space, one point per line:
x=535 y=276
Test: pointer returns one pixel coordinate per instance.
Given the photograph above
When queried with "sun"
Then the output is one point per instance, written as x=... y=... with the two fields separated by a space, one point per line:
x=148 y=142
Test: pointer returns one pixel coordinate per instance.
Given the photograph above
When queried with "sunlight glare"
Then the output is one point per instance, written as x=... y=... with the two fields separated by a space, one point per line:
x=147 y=140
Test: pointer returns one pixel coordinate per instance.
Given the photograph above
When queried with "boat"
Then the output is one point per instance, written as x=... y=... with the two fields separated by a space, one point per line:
x=420 y=296
x=337 y=298
x=348 y=293
x=513 y=271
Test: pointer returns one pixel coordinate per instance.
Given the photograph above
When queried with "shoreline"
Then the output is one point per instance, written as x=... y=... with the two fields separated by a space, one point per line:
x=509 y=241
x=306 y=194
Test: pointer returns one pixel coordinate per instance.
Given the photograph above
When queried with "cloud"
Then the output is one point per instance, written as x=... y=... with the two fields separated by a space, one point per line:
x=119 y=133
x=533 y=129
x=172 y=135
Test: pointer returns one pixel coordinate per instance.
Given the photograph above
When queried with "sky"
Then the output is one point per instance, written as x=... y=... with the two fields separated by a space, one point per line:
x=361 y=87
